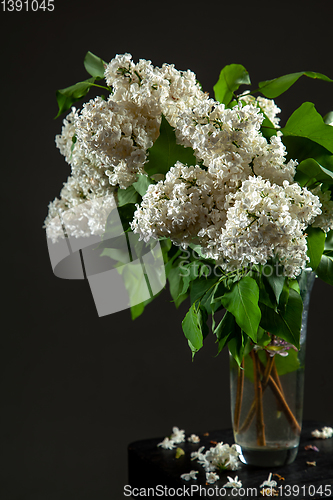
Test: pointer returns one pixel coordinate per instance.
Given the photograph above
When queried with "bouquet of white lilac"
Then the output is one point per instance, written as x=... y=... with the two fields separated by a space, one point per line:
x=240 y=205
x=242 y=209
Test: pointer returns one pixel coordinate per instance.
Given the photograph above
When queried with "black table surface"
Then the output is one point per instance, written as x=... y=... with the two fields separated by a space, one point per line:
x=155 y=472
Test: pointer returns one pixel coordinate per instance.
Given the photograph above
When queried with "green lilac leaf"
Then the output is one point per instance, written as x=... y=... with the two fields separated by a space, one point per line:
x=94 y=65
x=293 y=283
x=114 y=225
x=138 y=309
x=284 y=297
x=207 y=301
x=329 y=240
x=267 y=127
x=285 y=323
x=325 y=268
x=165 y=152
x=191 y=325
x=66 y=97
x=203 y=321
x=316 y=243
x=221 y=289
x=199 y=287
x=170 y=260
x=292 y=318
x=224 y=330
x=287 y=364
x=310 y=171
x=236 y=344
x=180 y=299
x=308 y=123
x=277 y=86
x=301 y=148
x=275 y=281
x=128 y=195
x=242 y=302
x=116 y=251
x=176 y=283
x=141 y=185
x=126 y=213
x=231 y=77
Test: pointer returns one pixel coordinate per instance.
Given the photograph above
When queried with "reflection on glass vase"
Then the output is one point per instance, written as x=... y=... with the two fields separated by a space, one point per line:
x=267 y=396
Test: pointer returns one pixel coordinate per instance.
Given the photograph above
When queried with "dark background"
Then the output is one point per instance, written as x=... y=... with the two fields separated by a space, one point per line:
x=76 y=389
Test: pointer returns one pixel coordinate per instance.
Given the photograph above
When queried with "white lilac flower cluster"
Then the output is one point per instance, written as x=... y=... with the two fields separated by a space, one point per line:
x=106 y=142
x=266 y=220
x=267 y=106
x=325 y=219
x=229 y=143
x=254 y=223
x=325 y=433
x=178 y=207
x=158 y=90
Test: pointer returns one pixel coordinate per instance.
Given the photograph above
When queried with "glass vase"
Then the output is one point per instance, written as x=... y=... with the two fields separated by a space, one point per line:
x=267 y=396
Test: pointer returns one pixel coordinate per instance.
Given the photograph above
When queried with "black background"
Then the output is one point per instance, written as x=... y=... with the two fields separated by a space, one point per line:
x=75 y=389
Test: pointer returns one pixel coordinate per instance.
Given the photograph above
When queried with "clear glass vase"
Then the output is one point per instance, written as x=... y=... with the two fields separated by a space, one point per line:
x=267 y=396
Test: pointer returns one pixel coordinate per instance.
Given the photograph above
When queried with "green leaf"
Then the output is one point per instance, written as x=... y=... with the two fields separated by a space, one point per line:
x=242 y=302
x=274 y=88
x=94 y=65
x=138 y=309
x=325 y=268
x=285 y=323
x=207 y=301
x=315 y=242
x=126 y=213
x=171 y=259
x=275 y=280
x=192 y=328
x=176 y=283
x=236 y=345
x=182 y=281
x=224 y=330
x=128 y=195
x=199 y=287
x=303 y=148
x=309 y=171
x=166 y=152
x=267 y=127
x=141 y=185
x=66 y=97
x=293 y=283
x=307 y=122
x=284 y=297
x=292 y=318
x=231 y=77
x=329 y=241
x=287 y=364
x=113 y=228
